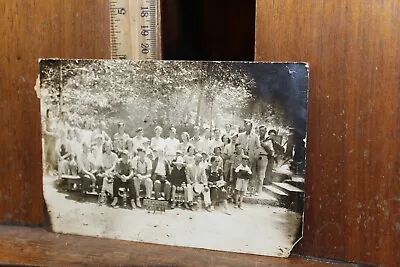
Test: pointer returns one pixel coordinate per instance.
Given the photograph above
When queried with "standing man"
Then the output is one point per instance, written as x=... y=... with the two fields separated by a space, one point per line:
x=227 y=155
x=195 y=140
x=123 y=178
x=250 y=143
x=171 y=145
x=228 y=129
x=142 y=174
x=205 y=144
x=139 y=140
x=217 y=141
x=289 y=145
x=266 y=159
x=160 y=175
x=62 y=128
x=157 y=141
x=121 y=135
x=101 y=130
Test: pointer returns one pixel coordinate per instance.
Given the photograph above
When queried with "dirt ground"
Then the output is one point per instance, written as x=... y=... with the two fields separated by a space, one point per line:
x=257 y=229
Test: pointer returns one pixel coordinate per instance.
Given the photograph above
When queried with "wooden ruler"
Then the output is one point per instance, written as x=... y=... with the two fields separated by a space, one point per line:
x=135 y=29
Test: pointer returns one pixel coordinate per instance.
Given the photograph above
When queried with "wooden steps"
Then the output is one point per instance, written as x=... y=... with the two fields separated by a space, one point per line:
x=262 y=199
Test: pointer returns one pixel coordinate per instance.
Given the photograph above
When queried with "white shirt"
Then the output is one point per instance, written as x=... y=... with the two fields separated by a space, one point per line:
x=188 y=159
x=97 y=156
x=76 y=147
x=123 y=136
x=108 y=160
x=138 y=142
x=243 y=168
x=205 y=145
x=229 y=149
x=171 y=146
x=142 y=167
x=86 y=136
x=157 y=142
x=216 y=143
x=160 y=169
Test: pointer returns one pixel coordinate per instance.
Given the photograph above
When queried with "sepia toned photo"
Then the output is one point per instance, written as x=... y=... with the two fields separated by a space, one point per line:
x=185 y=153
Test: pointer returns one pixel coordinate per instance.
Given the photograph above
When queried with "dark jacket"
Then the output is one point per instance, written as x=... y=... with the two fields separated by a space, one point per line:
x=177 y=177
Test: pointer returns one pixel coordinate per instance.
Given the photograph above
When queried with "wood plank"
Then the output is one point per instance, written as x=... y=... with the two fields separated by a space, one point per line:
x=352 y=209
x=35 y=246
x=31 y=30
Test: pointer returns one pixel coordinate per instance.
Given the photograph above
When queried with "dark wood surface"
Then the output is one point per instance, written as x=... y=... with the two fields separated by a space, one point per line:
x=35 y=246
x=31 y=30
x=352 y=208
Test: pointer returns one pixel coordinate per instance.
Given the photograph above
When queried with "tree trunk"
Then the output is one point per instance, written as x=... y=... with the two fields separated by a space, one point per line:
x=199 y=104
x=60 y=99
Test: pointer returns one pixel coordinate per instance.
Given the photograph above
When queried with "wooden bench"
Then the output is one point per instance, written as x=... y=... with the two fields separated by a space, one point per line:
x=71 y=180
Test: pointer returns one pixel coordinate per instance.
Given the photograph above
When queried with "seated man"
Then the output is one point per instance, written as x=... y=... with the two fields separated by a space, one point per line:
x=216 y=183
x=109 y=161
x=160 y=175
x=142 y=172
x=123 y=178
x=86 y=170
x=64 y=157
x=177 y=178
x=196 y=178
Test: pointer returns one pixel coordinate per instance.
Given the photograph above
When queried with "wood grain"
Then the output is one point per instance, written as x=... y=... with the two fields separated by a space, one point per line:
x=35 y=246
x=352 y=209
x=31 y=30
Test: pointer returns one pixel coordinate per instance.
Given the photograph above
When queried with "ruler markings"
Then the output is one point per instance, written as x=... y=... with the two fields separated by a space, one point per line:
x=134 y=29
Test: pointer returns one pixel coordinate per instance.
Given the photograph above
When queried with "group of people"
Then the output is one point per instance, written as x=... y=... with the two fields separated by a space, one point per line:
x=212 y=165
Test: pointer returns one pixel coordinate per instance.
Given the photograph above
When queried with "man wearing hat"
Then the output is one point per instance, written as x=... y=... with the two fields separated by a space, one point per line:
x=197 y=181
x=177 y=178
x=123 y=178
x=139 y=140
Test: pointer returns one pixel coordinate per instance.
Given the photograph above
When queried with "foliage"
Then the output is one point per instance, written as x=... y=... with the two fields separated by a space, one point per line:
x=146 y=93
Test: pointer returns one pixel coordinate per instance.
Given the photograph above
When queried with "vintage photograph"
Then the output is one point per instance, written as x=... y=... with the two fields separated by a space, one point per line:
x=185 y=153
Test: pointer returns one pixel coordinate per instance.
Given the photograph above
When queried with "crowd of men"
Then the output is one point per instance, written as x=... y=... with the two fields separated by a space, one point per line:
x=212 y=165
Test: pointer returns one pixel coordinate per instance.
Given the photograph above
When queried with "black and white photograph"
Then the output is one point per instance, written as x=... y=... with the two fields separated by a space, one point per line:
x=185 y=153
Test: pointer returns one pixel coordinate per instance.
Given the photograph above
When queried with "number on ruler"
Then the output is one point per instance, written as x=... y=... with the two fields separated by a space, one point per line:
x=145 y=48
x=145 y=12
x=145 y=30
x=121 y=11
